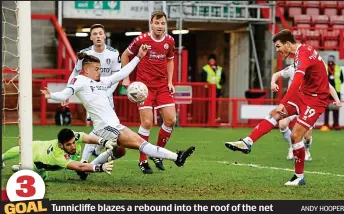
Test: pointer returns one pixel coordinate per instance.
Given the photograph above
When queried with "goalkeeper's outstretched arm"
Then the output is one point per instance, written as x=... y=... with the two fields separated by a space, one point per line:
x=109 y=144
x=87 y=167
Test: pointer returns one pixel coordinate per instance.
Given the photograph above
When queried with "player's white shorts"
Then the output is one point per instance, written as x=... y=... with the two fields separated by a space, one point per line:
x=109 y=132
x=292 y=117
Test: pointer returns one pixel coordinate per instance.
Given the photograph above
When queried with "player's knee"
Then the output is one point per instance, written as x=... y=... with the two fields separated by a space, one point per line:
x=295 y=137
x=275 y=115
x=147 y=124
x=170 y=122
x=308 y=137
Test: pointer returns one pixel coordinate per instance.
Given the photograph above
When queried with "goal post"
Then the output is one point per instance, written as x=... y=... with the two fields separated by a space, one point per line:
x=25 y=84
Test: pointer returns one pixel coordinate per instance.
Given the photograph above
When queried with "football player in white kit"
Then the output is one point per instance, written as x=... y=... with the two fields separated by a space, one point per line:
x=289 y=72
x=91 y=89
x=110 y=62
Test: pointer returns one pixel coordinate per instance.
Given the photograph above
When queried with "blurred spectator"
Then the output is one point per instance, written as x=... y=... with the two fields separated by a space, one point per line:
x=213 y=73
x=335 y=77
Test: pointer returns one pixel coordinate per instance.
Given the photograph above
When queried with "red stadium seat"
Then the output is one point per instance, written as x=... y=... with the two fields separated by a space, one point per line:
x=331 y=35
x=299 y=40
x=335 y=20
x=341 y=5
x=320 y=19
x=331 y=44
x=321 y=28
x=335 y=27
x=312 y=35
x=343 y=12
x=294 y=3
x=330 y=11
x=314 y=43
x=312 y=11
x=303 y=25
x=281 y=3
x=327 y=4
x=294 y=11
x=302 y=19
x=311 y=3
x=325 y=26
x=298 y=35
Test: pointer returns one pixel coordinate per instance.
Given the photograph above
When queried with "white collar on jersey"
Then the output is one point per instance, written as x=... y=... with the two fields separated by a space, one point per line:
x=155 y=39
x=99 y=52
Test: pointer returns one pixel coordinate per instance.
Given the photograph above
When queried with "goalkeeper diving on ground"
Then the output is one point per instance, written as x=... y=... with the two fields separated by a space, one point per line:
x=64 y=153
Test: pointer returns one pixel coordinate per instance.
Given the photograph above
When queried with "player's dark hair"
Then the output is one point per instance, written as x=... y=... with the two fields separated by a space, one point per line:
x=284 y=36
x=158 y=14
x=97 y=26
x=65 y=135
x=87 y=58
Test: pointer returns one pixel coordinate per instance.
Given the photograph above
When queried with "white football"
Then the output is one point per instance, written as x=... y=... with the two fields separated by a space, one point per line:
x=137 y=92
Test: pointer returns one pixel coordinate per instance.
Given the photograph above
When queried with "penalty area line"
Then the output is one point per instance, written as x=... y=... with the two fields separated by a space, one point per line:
x=277 y=168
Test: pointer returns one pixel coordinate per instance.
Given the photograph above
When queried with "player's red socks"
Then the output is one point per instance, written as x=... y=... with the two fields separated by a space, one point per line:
x=264 y=127
x=144 y=133
x=299 y=158
x=164 y=135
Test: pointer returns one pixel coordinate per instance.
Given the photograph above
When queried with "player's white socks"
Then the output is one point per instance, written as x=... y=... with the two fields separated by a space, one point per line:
x=248 y=140
x=102 y=158
x=308 y=143
x=143 y=131
x=286 y=135
x=87 y=153
x=157 y=152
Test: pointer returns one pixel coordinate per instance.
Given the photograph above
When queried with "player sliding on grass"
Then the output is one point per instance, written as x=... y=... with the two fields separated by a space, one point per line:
x=91 y=89
x=289 y=72
x=307 y=97
x=64 y=153
x=110 y=63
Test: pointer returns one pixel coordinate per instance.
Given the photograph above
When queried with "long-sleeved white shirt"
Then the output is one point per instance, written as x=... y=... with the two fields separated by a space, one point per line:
x=93 y=95
x=110 y=62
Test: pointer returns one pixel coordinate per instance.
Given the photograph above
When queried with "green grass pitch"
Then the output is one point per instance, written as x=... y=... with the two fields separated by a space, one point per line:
x=208 y=174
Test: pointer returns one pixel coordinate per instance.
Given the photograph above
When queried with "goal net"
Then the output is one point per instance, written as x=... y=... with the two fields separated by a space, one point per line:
x=17 y=78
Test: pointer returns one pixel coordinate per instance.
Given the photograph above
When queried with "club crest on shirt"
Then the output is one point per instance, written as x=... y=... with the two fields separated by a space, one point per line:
x=73 y=81
x=77 y=136
x=166 y=46
x=108 y=61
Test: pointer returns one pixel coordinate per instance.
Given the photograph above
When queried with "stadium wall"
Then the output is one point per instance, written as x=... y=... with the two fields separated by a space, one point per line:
x=44 y=44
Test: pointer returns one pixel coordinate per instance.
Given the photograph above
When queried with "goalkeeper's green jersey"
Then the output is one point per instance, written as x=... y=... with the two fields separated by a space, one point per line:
x=47 y=155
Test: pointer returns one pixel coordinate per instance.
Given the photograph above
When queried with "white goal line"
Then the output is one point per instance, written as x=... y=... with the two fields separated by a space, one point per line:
x=277 y=168
x=259 y=167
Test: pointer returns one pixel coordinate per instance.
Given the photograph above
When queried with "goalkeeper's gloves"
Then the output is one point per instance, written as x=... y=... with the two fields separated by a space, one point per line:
x=109 y=144
x=105 y=167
